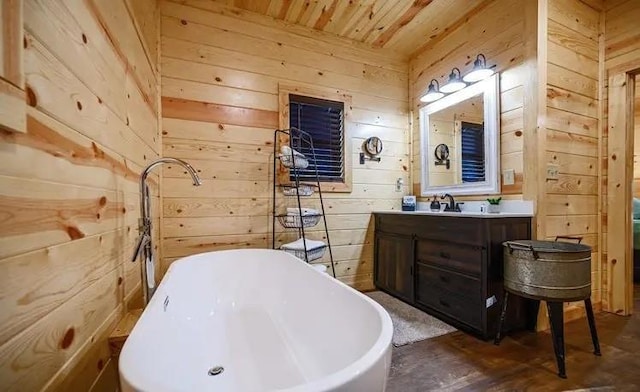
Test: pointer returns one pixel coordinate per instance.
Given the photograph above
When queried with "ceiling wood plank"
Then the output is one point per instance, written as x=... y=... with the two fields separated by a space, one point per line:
x=274 y=8
x=353 y=8
x=367 y=28
x=309 y=17
x=306 y=7
x=386 y=21
x=427 y=25
x=365 y=13
x=407 y=17
x=464 y=19
x=282 y=14
x=325 y=15
x=340 y=9
x=294 y=10
x=262 y=6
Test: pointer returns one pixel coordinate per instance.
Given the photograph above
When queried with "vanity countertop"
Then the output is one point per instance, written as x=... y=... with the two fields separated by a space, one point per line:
x=463 y=214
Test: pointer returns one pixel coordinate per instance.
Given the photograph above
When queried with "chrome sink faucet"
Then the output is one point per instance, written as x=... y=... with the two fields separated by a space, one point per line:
x=144 y=246
x=451 y=205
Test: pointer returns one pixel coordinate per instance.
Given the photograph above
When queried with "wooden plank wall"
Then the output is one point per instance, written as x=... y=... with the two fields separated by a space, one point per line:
x=502 y=42
x=69 y=191
x=12 y=104
x=636 y=142
x=621 y=45
x=221 y=68
x=572 y=140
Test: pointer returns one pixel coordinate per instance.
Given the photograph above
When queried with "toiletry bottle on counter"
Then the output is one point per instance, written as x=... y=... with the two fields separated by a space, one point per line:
x=435 y=205
x=408 y=203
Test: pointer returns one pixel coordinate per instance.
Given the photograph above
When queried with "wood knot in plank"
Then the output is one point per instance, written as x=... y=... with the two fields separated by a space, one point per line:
x=32 y=100
x=551 y=93
x=97 y=152
x=74 y=233
x=67 y=339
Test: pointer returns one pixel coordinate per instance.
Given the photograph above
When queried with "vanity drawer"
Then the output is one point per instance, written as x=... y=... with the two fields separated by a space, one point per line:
x=453 y=294
x=467 y=259
x=404 y=224
x=433 y=278
x=461 y=230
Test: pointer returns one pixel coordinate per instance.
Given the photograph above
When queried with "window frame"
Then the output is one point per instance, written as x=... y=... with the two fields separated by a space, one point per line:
x=284 y=90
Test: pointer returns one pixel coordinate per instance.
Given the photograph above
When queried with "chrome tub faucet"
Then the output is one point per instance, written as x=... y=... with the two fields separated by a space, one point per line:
x=144 y=246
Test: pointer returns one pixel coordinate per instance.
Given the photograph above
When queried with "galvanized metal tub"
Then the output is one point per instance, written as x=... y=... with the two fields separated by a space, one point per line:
x=548 y=270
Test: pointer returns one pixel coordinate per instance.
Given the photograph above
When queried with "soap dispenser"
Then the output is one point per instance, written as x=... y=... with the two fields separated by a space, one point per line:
x=435 y=205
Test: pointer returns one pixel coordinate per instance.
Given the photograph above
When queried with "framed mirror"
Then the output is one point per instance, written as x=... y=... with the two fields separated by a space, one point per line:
x=465 y=124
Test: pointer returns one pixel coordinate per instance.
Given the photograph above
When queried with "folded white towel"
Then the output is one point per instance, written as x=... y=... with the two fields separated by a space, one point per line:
x=286 y=150
x=302 y=211
x=299 y=245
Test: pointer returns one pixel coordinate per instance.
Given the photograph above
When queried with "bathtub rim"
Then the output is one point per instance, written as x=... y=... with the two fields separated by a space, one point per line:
x=377 y=352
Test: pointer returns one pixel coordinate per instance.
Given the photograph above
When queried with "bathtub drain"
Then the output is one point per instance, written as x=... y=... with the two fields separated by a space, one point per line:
x=214 y=371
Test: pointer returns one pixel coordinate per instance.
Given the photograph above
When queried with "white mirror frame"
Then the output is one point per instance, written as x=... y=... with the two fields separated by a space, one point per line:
x=491 y=96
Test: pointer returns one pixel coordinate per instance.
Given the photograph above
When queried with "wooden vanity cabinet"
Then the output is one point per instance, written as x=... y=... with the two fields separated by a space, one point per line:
x=450 y=267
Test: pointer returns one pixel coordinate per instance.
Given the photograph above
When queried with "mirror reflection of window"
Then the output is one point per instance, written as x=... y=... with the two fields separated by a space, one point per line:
x=473 y=157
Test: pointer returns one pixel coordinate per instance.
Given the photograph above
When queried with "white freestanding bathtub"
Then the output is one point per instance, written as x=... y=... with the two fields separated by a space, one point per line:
x=269 y=320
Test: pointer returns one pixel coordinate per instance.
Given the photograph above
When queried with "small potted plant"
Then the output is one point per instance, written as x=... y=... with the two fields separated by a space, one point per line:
x=494 y=205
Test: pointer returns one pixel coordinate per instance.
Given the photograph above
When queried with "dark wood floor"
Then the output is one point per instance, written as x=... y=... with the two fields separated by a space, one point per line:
x=524 y=361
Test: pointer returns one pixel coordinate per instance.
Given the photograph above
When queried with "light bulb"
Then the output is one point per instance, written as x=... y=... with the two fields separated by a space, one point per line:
x=480 y=70
x=433 y=93
x=455 y=83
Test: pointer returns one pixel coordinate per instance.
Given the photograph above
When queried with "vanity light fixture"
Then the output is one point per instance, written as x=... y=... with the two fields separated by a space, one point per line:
x=455 y=82
x=480 y=70
x=433 y=93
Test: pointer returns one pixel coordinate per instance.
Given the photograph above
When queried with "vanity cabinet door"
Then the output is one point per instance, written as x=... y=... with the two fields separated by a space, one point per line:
x=393 y=264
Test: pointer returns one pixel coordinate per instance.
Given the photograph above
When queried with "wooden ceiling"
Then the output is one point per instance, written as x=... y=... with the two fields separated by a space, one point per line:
x=404 y=26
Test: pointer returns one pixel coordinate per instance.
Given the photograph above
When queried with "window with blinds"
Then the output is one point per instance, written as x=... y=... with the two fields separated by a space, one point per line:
x=473 y=159
x=324 y=121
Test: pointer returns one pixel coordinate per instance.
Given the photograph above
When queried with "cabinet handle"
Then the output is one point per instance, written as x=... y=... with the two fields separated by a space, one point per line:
x=444 y=279
x=443 y=303
x=445 y=255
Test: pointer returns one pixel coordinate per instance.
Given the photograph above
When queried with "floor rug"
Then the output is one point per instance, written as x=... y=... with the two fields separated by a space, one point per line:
x=409 y=324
